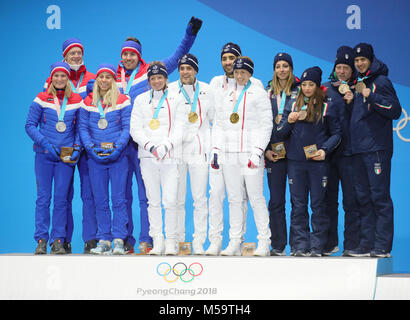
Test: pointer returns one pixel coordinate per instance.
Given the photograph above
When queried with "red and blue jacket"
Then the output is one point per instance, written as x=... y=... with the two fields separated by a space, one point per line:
x=371 y=123
x=42 y=119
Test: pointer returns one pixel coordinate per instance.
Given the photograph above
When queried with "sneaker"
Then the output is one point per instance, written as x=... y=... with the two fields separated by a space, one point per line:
x=90 y=244
x=57 y=247
x=158 y=248
x=198 y=247
x=103 y=247
x=214 y=249
x=41 y=247
x=330 y=251
x=299 y=253
x=67 y=247
x=315 y=253
x=356 y=253
x=263 y=249
x=377 y=253
x=233 y=248
x=149 y=247
x=118 y=247
x=277 y=252
x=128 y=248
x=171 y=247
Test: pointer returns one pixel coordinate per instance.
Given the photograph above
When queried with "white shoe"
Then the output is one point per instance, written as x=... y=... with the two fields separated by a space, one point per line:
x=233 y=248
x=118 y=247
x=198 y=247
x=171 y=247
x=215 y=248
x=158 y=247
x=263 y=249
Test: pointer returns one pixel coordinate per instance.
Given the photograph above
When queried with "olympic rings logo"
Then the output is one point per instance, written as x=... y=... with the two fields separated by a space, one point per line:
x=179 y=271
x=401 y=124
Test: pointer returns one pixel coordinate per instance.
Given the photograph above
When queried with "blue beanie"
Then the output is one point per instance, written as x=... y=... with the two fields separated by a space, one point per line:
x=131 y=45
x=231 y=48
x=243 y=63
x=345 y=55
x=157 y=68
x=189 y=59
x=106 y=67
x=364 y=50
x=71 y=43
x=60 y=66
x=282 y=56
x=313 y=74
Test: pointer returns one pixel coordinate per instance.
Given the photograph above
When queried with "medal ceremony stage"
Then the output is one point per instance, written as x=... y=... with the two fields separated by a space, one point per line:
x=137 y=277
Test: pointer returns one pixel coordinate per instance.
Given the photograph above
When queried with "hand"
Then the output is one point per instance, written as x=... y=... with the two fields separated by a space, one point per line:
x=160 y=152
x=366 y=92
x=319 y=155
x=254 y=161
x=214 y=161
x=52 y=152
x=76 y=155
x=270 y=155
x=293 y=117
x=194 y=25
x=348 y=97
x=114 y=155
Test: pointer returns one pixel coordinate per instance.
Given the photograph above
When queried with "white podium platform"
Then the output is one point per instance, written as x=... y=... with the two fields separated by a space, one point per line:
x=25 y=276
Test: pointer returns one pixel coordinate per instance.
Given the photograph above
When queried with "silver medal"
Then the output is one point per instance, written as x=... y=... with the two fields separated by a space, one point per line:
x=61 y=126
x=102 y=124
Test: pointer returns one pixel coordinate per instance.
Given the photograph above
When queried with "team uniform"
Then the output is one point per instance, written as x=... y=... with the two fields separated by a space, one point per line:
x=159 y=176
x=196 y=143
x=41 y=124
x=111 y=169
x=372 y=148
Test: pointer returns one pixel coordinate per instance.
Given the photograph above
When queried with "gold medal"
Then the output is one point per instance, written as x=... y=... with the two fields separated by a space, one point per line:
x=343 y=88
x=234 y=117
x=154 y=124
x=360 y=86
x=302 y=115
x=278 y=118
x=193 y=117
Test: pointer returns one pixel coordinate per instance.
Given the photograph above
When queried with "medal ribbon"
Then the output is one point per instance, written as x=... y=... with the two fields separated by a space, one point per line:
x=235 y=109
x=282 y=100
x=164 y=96
x=101 y=110
x=130 y=80
x=60 y=111
x=75 y=89
x=196 y=93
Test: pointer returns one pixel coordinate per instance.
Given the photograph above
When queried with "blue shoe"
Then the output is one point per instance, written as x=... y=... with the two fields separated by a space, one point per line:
x=356 y=253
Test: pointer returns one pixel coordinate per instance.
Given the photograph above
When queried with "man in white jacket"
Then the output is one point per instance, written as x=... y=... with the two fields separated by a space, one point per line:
x=220 y=85
x=197 y=112
x=242 y=129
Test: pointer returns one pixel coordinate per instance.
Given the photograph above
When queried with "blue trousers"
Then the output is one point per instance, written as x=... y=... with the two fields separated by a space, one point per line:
x=89 y=222
x=372 y=185
x=308 y=177
x=49 y=171
x=134 y=168
x=276 y=174
x=115 y=174
x=341 y=171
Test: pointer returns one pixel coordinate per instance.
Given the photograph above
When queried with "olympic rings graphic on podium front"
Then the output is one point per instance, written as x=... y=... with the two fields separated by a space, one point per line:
x=179 y=271
x=401 y=124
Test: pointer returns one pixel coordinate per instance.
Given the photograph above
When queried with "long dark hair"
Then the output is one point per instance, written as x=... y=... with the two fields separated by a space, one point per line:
x=314 y=105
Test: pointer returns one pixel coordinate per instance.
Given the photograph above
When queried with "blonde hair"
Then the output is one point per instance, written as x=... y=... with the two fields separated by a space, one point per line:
x=110 y=97
x=67 y=90
x=162 y=64
x=276 y=87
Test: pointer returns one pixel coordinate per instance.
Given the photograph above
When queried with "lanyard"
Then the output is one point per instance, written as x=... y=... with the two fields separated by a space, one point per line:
x=75 y=89
x=196 y=93
x=60 y=111
x=235 y=110
x=101 y=110
x=282 y=100
x=164 y=96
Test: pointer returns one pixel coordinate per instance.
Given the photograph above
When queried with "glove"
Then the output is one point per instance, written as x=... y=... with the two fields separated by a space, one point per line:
x=160 y=152
x=214 y=161
x=115 y=154
x=194 y=25
x=90 y=86
x=254 y=161
x=52 y=153
x=76 y=154
x=93 y=153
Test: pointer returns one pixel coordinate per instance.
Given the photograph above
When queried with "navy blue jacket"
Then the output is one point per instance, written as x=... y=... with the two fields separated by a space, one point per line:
x=371 y=123
x=326 y=133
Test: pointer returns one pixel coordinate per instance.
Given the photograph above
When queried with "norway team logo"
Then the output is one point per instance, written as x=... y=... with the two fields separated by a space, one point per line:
x=179 y=271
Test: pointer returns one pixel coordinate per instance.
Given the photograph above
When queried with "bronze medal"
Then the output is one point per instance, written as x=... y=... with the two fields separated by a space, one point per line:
x=278 y=118
x=344 y=88
x=234 y=117
x=302 y=115
x=192 y=117
x=154 y=124
x=360 y=86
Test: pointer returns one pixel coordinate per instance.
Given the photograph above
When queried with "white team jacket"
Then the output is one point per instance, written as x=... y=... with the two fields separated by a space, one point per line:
x=252 y=132
x=197 y=135
x=170 y=128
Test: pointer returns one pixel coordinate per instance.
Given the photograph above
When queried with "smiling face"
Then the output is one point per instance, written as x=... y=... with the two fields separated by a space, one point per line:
x=74 y=56
x=282 y=70
x=59 y=80
x=308 y=88
x=362 y=64
x=343 y=71
x=157 y=82
x=187 y=74
x=130 y=60
x=104 y=81
x=227 y=63
x=241 y=76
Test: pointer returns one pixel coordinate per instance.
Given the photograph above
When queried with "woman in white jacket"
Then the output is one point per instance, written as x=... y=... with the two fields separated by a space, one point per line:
x=154 y=126
x=240 y=136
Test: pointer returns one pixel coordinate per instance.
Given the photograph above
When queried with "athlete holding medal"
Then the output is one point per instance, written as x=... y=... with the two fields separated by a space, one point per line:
x=197 y=112
x=156 y=129
x=243 y=127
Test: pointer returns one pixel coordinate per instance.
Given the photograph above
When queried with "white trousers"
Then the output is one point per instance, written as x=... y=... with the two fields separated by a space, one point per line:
x=198 y=174
x=161 y=176
x=236 y=174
